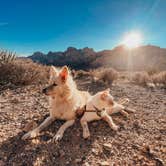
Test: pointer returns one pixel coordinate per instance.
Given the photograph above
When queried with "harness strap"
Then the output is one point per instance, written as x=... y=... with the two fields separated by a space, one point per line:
x=80 y=112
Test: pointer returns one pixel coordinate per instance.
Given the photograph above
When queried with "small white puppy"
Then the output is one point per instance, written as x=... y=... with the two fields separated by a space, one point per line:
x=102 y=100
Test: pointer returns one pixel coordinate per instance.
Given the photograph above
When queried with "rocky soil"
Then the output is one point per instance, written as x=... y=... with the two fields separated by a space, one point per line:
x=140 y=140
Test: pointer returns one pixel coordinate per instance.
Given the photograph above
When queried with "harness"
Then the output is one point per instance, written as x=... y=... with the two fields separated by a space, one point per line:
x=80 y=112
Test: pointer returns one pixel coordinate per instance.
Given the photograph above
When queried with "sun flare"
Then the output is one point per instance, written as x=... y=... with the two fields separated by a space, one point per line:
x=132 y=40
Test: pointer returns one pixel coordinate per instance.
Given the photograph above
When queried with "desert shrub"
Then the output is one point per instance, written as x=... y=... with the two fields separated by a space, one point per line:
x=22 y=72
x=107 y=75
x=141 y=78
x=144 y=79
x=152 y=71
x=160 y=79
x=81 y=73
x=6 y=57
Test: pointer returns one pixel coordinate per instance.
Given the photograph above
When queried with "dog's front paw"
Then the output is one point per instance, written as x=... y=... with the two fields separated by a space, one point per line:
x=30 y=134
x=115 y=127
x=58 y=137
x=86 y=135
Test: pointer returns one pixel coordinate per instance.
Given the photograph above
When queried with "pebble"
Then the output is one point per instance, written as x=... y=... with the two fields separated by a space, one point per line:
x=86 y=164
x=94 y=124
x=107 y=146
x=94 y=151
x=78 y=160
x=29 y=126
x=104 y=163
x=104 y=138
x=62 y=153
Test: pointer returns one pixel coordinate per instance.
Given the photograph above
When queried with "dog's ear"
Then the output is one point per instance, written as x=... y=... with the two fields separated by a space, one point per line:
x=53 y=73
x=64 y=73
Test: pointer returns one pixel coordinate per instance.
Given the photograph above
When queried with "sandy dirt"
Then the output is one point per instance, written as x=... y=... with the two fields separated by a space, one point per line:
x=140 y=140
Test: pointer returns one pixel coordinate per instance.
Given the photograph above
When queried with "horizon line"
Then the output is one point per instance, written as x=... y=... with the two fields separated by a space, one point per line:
x=63 y=50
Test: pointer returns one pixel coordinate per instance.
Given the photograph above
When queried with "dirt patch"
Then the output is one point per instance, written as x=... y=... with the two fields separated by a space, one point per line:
x=140 y=139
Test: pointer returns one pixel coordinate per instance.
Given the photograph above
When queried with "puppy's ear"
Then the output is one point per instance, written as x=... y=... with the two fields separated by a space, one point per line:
x=53 y=73
x=107 y=90
x=64 y=73
x=104 y=95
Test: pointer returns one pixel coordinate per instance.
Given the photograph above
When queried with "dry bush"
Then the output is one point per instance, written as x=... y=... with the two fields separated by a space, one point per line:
x=80 y=74
x=151 y=71
x=160 y=79
x=141 y=78
x=144 y=79
x=7 y=57
x=107 y=75
x=23 y=72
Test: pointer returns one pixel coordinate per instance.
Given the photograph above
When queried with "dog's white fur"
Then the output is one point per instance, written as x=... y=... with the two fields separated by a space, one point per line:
x=101 y=100
x=64 y=100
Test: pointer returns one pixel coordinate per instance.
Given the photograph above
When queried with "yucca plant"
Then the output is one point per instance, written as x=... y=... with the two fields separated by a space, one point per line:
x=7 y=57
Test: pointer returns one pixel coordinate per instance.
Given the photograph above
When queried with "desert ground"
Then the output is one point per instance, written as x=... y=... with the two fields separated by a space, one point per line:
x=140 y=139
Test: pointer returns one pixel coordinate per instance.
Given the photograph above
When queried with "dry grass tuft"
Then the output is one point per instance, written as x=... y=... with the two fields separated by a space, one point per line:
x=80 y=74
x=141 y=78
x=150 y=80
x=107 y=75
x=151 y=71
x=159 y=79
x=7 y=57
x=22 y=72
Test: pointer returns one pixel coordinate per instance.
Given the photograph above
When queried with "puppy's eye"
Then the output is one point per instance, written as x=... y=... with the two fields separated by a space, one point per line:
x=54 y=84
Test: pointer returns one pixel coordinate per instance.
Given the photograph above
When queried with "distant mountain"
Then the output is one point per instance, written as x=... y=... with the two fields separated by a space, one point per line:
x=75 y=58
x=120 y=58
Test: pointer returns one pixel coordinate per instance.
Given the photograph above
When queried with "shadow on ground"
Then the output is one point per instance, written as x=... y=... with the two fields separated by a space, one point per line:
x=71 y=150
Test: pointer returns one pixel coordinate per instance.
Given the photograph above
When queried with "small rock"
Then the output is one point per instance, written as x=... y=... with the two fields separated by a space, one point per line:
x=35 y=141
x=30 y=126
x=86 y=164
x=104 y=163
x=67 y=162
x=94 y=151
x=94 y=124
x=107 y=146
x=62 y=153
x=78 y=160
x=104 y=138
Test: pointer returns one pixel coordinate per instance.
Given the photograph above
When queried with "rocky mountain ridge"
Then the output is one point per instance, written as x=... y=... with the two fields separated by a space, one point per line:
x=120 y=58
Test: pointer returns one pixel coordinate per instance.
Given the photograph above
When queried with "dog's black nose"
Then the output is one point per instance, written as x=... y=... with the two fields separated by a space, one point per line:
x=44 y=90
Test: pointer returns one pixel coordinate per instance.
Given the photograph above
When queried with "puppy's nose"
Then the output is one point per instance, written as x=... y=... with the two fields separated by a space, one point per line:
x=44 y=90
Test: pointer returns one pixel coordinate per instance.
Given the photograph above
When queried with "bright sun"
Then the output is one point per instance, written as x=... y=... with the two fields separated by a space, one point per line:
x=132 y=40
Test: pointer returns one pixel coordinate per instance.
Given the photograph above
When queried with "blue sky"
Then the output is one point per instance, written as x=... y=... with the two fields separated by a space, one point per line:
x=43 y=25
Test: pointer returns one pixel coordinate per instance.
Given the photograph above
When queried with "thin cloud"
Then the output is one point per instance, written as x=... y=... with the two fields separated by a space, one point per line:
x=24 y=54
x=3 y=23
